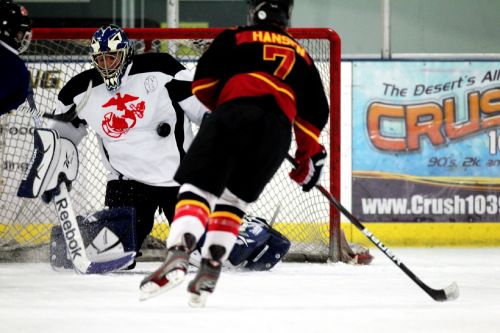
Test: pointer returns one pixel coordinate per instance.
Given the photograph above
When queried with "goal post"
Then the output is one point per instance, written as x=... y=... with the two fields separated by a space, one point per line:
x=56 y=55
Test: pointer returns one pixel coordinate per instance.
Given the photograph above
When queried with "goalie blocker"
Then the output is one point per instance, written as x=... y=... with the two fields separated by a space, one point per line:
x=54 y=160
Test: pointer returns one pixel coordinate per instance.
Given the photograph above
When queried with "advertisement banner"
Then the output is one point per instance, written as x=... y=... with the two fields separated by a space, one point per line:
x=426 y=141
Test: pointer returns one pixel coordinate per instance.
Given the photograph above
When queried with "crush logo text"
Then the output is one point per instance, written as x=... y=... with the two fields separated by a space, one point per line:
x=399 y=127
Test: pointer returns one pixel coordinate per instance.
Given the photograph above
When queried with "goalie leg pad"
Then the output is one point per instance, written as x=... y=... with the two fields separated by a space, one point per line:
x=268 y=255
x=253 y=235
x=259 y=246
x=109 y=231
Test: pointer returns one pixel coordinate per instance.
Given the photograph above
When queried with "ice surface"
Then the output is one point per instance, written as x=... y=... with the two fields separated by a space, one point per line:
x=293 y=297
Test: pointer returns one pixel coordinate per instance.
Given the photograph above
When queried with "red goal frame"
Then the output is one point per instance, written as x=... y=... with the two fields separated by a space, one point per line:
x=298 y=33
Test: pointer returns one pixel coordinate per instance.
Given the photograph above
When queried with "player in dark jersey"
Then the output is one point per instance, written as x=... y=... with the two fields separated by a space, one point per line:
x=259 y=83
x=15 y=37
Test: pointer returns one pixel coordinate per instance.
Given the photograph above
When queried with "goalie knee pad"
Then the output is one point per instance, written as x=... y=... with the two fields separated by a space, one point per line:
x=109 y=231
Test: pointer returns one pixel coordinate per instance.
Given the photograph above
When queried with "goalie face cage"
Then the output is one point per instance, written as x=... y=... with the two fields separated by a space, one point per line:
x=56 y=55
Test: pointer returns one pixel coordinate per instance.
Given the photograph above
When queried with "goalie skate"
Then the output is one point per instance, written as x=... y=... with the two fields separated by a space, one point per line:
x=170 y=274
x=204 y=282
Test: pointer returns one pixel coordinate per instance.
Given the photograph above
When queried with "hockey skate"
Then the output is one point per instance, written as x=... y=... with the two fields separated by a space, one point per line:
x=204 y=282
x=169 y=275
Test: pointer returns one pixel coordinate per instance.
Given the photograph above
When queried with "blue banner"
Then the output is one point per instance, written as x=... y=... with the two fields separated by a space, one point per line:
x=428 y=133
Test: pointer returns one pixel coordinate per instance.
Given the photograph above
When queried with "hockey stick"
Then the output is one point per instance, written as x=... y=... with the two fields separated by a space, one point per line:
x=74 y=241
x=447 y=294
x=275 y=215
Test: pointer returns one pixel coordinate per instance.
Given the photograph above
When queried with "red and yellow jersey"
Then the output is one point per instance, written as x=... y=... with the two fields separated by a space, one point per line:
x=258 y=61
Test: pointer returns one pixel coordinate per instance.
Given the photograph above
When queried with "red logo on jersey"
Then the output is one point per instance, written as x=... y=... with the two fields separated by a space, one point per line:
x=116 y=126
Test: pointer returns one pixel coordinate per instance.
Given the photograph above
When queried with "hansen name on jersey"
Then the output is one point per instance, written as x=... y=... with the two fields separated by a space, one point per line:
x=264 y=60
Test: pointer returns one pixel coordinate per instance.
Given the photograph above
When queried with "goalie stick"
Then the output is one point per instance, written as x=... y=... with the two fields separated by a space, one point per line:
x=100 y=264
x=447 y=294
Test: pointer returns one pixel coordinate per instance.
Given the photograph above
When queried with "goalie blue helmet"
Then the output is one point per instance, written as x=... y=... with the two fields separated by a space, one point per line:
x=111 y=53
x=15 y=26
x=278 y=12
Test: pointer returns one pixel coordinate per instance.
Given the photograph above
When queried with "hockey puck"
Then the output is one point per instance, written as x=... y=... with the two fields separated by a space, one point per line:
x=163 y=130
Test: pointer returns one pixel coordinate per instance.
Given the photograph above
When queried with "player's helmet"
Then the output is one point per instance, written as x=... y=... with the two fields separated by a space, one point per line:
x=277 y=12
x=111 y=53
x=15 y=25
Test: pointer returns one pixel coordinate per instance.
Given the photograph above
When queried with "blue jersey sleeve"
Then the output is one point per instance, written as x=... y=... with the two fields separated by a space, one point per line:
x=14 y=82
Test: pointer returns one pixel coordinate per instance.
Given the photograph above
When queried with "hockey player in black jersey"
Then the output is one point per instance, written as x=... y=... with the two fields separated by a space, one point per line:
x=141 y=108
x=259 y=83
x=15 y=37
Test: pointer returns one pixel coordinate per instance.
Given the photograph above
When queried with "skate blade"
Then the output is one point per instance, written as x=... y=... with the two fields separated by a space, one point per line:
x=198 y=301
x=151 y=289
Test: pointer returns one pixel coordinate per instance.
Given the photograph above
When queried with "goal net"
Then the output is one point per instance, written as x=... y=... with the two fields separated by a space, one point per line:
x=56 y=55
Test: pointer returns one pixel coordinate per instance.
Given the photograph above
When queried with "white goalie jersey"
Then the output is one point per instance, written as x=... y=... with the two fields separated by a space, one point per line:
x=144 y=127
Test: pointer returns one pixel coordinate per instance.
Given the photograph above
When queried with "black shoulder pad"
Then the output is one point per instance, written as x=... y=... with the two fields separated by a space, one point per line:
x=155 y=62
x=78 y=85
